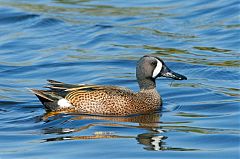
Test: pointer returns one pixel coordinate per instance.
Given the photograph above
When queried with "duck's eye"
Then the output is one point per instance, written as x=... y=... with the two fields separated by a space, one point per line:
x=154 y=63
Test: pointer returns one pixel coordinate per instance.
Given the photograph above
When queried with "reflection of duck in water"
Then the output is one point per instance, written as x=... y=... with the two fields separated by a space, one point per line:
x=110 y=100
x=152 y=139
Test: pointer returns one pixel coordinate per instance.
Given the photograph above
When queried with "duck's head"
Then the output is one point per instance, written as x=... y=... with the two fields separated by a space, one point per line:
x=149 y=68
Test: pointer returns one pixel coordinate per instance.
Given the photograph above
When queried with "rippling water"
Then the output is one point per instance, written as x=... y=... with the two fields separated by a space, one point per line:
x=99 y=42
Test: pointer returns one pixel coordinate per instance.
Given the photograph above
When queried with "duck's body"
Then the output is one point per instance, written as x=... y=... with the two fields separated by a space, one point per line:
x=109 y=100
x=99 y=100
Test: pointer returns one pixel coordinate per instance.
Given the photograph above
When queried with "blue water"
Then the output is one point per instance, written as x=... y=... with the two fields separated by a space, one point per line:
x=99 y=42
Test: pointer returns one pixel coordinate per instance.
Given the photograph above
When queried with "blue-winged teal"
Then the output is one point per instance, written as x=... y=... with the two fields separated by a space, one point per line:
x=110 y=100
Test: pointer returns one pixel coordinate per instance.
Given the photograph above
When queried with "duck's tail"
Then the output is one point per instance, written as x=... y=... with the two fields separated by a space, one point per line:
x=54 y=98
x=48 y=98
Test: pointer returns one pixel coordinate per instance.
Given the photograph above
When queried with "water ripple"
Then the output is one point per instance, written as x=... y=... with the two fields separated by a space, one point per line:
x=99 y=42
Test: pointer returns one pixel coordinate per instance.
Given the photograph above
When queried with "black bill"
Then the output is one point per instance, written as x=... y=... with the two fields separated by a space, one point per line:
x=166 y=72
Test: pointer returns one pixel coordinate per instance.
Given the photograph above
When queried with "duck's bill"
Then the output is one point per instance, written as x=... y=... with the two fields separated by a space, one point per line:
x=166 y=72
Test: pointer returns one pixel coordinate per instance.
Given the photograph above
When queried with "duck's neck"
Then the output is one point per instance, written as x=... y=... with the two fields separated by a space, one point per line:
x=148 y=92
x=146 y=84
x=149 y=95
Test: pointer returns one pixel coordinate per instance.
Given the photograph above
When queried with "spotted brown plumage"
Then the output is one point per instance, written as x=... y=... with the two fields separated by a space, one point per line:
x=110 y=100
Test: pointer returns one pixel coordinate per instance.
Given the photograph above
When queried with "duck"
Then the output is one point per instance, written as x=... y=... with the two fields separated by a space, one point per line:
x=110 y=100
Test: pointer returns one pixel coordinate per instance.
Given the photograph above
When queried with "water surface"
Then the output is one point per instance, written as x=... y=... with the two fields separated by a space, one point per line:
x=99 y=42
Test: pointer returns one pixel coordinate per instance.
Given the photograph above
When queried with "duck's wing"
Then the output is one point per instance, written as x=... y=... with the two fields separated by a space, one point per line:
x=60 y=86
x=56 y=85
x=59 y=90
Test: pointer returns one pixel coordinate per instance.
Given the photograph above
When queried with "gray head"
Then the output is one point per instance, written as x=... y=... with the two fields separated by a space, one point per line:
x=149 y=68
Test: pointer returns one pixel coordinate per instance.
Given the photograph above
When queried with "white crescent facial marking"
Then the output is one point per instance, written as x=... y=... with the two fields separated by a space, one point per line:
x=64 y=103
x=157 y=69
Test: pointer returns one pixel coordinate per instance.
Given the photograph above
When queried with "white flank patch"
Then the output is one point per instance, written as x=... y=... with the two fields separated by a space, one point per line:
x=64 y=103
x=157 y=69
